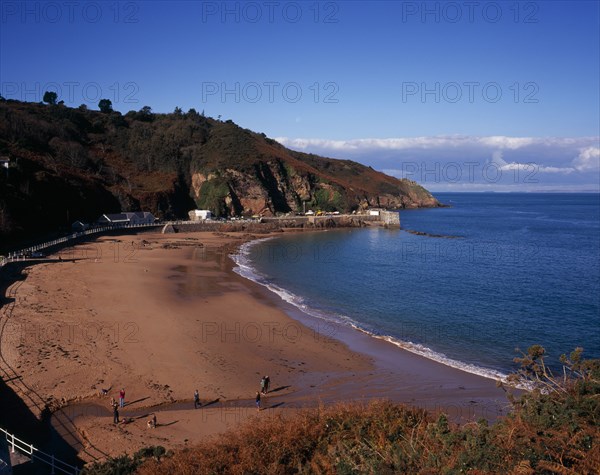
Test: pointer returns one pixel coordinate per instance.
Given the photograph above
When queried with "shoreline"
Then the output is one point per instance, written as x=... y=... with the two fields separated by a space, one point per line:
x=248 y=272
x=463 y=394
x=400 y=375
x=204 y=323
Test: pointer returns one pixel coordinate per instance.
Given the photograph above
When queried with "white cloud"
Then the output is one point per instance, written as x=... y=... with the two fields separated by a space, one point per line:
x=588 y=159
x=511 y=143
x=436 y=142
x=471 y=162
x=544 y=169
x=497 y=158
x=534 y=167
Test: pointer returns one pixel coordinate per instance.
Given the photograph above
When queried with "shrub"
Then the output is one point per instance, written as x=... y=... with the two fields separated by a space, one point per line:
x=125 y=464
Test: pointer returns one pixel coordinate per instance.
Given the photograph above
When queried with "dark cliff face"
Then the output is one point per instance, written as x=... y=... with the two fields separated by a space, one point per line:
x=75 y=164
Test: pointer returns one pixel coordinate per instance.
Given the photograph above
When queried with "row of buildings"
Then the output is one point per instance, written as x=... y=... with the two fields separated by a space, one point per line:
x=145 y=217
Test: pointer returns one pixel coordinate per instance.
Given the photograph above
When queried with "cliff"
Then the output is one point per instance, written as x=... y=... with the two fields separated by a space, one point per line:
x=68 y=164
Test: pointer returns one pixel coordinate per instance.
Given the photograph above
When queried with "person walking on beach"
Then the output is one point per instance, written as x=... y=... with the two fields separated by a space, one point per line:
x=115 y=414
x=196 y=399
x=257 y=401
x=262 y=384
x=267 y=382
x=122 y=397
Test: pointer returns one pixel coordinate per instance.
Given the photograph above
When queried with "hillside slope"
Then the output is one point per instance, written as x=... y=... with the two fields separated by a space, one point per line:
x=69 y=164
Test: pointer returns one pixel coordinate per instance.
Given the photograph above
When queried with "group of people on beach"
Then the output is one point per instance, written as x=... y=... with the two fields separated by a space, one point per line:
x=264 y=389
x=151 y=423
x=116 y=407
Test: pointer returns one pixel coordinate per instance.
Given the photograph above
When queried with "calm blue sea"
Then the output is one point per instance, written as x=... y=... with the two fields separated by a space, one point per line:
x=512 y=270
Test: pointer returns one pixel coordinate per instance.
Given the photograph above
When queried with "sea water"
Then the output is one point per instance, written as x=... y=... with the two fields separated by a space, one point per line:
x=466 y=285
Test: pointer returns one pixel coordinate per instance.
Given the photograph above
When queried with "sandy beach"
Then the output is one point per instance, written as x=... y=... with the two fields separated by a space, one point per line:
x=163 y=315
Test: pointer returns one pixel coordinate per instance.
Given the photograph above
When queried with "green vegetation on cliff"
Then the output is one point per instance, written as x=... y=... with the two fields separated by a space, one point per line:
x=75 y=164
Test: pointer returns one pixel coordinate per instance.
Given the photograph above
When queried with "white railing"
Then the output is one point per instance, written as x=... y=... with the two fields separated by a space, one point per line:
x=36 y=454
x=24 y=253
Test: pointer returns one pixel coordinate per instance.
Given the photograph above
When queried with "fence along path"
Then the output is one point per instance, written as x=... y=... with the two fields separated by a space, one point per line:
x=21 y=254
x=34 y=401
x=35 y=454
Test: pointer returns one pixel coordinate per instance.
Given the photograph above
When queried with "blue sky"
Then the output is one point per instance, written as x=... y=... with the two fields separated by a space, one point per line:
x=406 y=87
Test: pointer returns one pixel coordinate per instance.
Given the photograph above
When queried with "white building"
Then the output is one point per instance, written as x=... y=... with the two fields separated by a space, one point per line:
x=5 y=163
x=199 y=214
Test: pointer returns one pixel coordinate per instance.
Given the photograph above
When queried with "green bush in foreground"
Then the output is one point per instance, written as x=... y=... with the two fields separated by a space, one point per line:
x=125 y=464
x=553 y=429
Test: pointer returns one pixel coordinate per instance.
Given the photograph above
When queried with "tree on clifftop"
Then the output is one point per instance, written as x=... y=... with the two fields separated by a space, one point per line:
x=144 y=114
x=50 y=97
x=105 y=106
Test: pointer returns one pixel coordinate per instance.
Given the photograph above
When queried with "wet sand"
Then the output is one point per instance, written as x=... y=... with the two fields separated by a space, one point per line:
x=163 y=315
